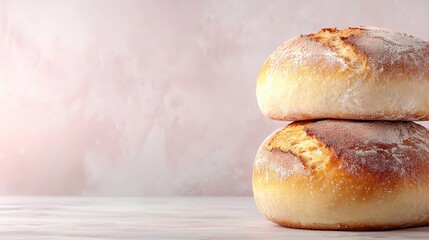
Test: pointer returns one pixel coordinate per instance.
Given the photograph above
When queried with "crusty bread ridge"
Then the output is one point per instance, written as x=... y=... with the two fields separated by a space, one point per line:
x=338 y=174
x=363 y=73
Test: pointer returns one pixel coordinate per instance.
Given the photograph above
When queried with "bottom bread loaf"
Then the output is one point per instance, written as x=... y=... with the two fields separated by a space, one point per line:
x=348 y=175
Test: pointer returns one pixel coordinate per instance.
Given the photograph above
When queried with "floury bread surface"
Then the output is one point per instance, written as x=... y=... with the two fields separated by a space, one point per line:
x=363 y=73
x=338 y=174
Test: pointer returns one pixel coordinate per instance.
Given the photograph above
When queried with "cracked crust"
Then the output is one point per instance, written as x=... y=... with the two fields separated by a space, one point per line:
x=336 y=41
x=363 y=73
x=350 y=175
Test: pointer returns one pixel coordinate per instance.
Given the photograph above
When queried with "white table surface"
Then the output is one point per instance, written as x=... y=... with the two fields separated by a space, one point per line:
x=158 y=218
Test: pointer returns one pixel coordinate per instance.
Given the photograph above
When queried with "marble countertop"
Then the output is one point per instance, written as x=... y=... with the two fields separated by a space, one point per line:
x=238 y=218
x=157 y=218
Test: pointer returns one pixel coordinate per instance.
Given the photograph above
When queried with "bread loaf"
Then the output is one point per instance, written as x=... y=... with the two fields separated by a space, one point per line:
x=362 y=73
x=339 y=174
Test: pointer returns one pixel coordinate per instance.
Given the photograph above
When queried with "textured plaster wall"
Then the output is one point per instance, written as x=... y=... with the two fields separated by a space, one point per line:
x=149 y=97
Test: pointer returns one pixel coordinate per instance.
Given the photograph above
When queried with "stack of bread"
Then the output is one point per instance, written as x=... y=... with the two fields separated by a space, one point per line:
x=353 y=159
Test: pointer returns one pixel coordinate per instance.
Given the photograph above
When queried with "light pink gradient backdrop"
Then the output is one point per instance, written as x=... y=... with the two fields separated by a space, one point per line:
x=149 y=97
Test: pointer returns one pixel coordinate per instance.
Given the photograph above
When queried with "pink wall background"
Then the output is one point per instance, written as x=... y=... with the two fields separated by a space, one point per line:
x=142 y=98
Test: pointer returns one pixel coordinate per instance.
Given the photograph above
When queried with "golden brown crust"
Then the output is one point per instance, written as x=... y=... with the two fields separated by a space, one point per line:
x=361 y=73
x=417 y=116
x=397 y=55
x=335 y=174
x=380 y=149
x=393 y=52
x=361 y=227
x=336 y=40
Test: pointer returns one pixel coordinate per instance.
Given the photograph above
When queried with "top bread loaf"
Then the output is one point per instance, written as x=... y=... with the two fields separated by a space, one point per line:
x=362 y=73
